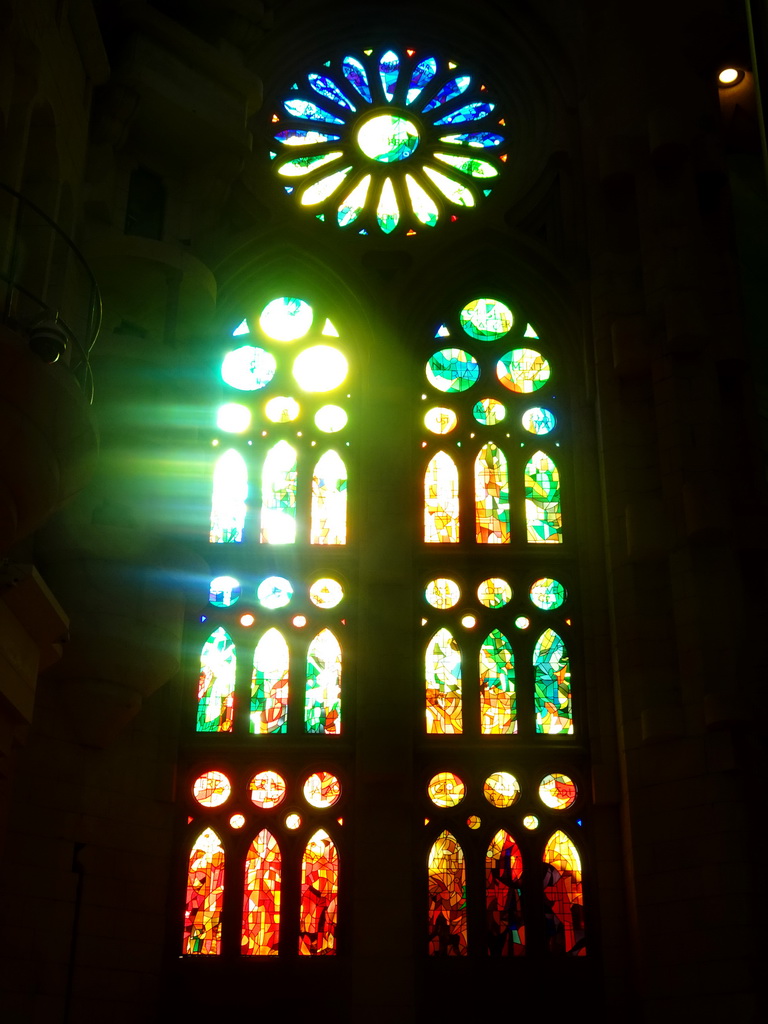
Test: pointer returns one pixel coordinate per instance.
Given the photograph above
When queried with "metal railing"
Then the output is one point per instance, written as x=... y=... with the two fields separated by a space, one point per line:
x=46 y=283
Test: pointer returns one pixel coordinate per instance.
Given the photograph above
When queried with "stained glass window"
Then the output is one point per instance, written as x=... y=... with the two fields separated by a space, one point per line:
x=269 y=686
x=441 y=501
x=216 y=688
x=261 y=900
x=443 y=672
x=230 y=493
x=563 y=896
x=504 y=914
x=322 y=708
x=542 y=500
x=359 y=142
x=491 y=496
x=447 y=898
x=319 y=897
x=329 y=501
x=497 y=685
x=205 y=895
x=552 y=685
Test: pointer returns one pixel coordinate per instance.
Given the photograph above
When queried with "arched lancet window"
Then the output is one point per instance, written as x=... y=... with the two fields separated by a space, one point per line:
x=542 y=500
x=553 y=684
x=441 y=500
x=269 y=685
x=278 y=495
x=319 y=896
x=230 y=493
x=497 y=685
x=205 y=895
x=443 y=672
x=329 y=500
x=563 y=896
x=216 y=688
x=322 y=706
x=503 y=887
x=447 y=898
x=261 y=900
x=491 y=496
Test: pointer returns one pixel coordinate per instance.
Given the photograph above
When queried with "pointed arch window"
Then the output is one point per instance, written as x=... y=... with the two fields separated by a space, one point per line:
x=262 y=895
x=205 y=895
x=447 y=898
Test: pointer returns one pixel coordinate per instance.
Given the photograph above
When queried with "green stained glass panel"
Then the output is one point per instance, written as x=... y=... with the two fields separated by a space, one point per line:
x=322 y=703
x=424 y=207
x=387 y=212
x=324 y=189
x=542 y=501
x=552 y=684
x=269 y=684
x=351 y=207
x=248 y=368
x=469 y=165
x=216 y=688
x=278 y=495
x=523 y=370
x=547 y=594
x=486 y=319
x=452 y=369
x=538 y=420
x=302 y=165
x=497 y=686
x=388 y=138
x=488 y=412
x=457 y=193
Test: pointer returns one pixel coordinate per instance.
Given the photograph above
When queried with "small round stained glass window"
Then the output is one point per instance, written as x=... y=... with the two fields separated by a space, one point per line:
x=274 y=592
x=452 y=369
x=522 y=622
x=494 y=593
x=538 y=420
x=488 y=412
x=286 y=319
x=267 y=789
x=522 y=370
x=322 y=789
x=326 y=592
x=320 y=368
x=237 y=821
x=547 y=594
x=486 y=319
x=248 y=368
x=531 y=821
x=445 y=789
x=224 y=591
x=474 y=821
x=233 y=417
x=440 y=421
x=442 y=593
x=557 y=791
x=501 y=789
x=293 y=821
x=330 y=418
x=211 y=789
x=282 y=409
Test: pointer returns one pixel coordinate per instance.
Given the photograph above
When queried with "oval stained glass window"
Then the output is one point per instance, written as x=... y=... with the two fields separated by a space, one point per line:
x=488 y=412
x=486 y=319
x=322 y=789
x=267 y=789
x=547 y=594
x=501 y=789
x=523 y=370
x=440 y=421
x=282 y=409
x=248 y=368
x=557 y=791
x=320 y=368
x=494 y=593
x=286 y=319
x=538 y=420
x=211 y=789
x=452 y=369
x=326 y=592
x=442 y=593
x=224 y=591
x=330 y=419
x=274 y=592
x=446 y=789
